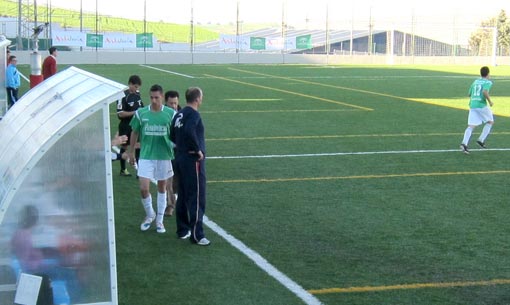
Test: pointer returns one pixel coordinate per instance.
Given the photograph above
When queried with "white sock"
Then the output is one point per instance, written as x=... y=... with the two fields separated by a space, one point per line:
x=147 y=206
x=485 y=132
x=467 y=135
x=161 y=207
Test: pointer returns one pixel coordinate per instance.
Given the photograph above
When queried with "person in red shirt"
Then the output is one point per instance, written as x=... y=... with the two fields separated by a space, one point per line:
x=49 y=66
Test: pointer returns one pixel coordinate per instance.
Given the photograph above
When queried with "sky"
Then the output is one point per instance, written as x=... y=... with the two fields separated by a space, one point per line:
x=312 y=13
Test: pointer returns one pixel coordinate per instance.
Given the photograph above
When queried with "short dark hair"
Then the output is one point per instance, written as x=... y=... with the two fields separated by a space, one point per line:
x=171 y=94
x=157 y=88
x=12 y=57
x=135 y=80
x=484 y=71
x=52 y=49
x=192 y=94
x=29 y=217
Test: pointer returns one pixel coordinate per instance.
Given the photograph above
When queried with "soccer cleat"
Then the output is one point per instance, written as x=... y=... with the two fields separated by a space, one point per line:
x=146 y=224
x=464 y=148
x=481 y=144
x=186 y=236
x=160 y=228
x=203 y=242
x=125 y=173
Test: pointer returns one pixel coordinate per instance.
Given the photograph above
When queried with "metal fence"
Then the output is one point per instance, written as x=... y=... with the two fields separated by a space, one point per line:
x=377 y=28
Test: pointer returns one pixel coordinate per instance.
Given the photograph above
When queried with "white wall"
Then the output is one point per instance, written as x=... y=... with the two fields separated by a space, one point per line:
x=153 y=58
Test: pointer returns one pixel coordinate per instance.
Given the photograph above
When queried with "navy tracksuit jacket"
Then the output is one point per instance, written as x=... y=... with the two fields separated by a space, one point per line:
x=188 y=135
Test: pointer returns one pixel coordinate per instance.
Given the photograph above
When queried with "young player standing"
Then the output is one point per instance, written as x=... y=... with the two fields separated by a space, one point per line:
x=172 y=101
x=125 y=110
x=151 y=125
x=479 y=112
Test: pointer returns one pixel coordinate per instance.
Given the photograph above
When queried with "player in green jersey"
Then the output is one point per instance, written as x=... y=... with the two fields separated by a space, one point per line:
x=151 y=125
x=479 y=112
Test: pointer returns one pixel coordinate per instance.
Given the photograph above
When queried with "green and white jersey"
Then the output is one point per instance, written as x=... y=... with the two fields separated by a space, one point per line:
x=153 y=128
x=477 y=99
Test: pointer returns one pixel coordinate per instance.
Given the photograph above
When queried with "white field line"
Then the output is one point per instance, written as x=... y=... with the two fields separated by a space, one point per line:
x=364 y=77
x=24 y=77
x=391 y=152
x=294 y=287
x=167 y=71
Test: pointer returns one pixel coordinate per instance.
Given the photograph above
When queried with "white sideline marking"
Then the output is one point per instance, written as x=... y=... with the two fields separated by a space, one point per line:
x=294 y=287
x=166 y=71
x=24 y=77
x=358 y=153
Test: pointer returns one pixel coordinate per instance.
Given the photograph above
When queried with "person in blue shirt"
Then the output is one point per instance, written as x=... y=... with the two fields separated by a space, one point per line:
x=12 y=81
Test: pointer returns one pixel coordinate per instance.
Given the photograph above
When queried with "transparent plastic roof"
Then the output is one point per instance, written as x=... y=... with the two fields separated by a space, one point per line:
x=56 y=192
x=4 y=43
x=43 y=115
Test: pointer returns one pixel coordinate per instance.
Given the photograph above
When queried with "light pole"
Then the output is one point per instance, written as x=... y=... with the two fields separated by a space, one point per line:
x=81 y=20
x=19 y=40
x=192 y=31
x=144 y=36
x=237 y=28
x=35 y=57
x=97 y=20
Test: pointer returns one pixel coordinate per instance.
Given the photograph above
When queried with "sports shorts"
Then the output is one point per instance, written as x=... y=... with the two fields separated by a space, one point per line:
x=478 y=116
x=155 y=169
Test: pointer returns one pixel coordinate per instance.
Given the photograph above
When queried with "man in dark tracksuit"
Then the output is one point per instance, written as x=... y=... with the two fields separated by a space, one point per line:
x=187 y=132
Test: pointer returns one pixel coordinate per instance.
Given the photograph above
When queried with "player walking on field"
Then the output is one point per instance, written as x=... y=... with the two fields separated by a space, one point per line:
x=479 y=112
x=151 y=125
x=126 y=108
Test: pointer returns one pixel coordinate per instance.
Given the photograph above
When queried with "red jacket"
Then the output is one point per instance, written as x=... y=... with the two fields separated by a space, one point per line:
x=49 y=66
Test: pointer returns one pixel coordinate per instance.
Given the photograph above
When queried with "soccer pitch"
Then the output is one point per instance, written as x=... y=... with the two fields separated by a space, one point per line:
x=329 y=185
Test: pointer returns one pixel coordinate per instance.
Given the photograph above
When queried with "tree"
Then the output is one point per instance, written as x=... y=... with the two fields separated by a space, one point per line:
x=481 y=40
x=503 y=34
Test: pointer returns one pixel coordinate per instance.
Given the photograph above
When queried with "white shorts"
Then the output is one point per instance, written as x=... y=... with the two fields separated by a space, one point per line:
x=478 y=116
x=155 y=169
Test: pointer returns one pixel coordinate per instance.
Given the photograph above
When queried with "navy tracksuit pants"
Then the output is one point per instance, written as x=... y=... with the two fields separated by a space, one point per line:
x=190 y=207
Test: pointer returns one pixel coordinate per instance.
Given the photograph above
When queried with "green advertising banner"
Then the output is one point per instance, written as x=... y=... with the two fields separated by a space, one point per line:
x=144 y=40
x=94 y=41
x=257 y=43
x=304 y=42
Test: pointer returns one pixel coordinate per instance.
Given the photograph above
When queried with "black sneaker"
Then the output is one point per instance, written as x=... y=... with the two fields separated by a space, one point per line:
x=125 y=173
x=482 y=144
x=464 y=148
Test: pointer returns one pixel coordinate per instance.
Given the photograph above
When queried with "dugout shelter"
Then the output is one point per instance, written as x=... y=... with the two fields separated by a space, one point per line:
x=4 y=43
x=56 y=193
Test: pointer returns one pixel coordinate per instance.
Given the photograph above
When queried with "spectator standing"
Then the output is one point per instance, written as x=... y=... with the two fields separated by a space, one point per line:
x=12 y=81
x=49 y=66
x=188 y=135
